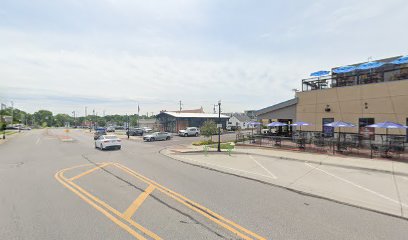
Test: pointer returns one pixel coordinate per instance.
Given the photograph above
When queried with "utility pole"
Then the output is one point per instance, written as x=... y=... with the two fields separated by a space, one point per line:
x=215 y=105
x=127 y=132
x=3 y=125
x=90 y=123
x=12 y=112
x=219 y=129
x=180 y=104
x=73 y=112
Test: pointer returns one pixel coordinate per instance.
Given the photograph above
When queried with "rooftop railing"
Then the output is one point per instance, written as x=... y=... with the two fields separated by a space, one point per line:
x=386 y=74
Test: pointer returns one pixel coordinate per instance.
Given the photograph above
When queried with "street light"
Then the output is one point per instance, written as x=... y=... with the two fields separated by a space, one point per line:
x=128 y=122
x=219 y=128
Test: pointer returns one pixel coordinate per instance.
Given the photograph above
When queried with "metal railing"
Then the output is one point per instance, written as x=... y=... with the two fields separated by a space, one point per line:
x=346 y=143
x=390 y=73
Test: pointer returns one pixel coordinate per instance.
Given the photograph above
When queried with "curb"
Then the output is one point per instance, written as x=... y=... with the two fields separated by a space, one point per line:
x=299 y=160
x=286 y=188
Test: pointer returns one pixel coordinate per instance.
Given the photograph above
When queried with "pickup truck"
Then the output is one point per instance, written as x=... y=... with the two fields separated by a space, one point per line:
x=190 y=131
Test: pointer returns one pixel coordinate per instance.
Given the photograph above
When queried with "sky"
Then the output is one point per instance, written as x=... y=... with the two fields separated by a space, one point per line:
x=113 y=55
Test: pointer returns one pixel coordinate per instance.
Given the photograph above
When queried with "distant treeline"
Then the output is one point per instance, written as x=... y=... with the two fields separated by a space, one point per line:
x=45 y=118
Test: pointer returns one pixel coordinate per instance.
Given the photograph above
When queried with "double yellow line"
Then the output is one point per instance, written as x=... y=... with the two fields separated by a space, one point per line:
x=124 y=219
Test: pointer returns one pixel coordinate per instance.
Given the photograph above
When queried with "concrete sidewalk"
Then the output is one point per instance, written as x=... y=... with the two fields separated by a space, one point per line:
x=377 y=164
x=378 y=185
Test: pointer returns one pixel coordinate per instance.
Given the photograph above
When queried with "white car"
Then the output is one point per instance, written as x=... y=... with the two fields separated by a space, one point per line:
x=108 y=142
x=190 y=131
x=146 y=129
x=157 y=136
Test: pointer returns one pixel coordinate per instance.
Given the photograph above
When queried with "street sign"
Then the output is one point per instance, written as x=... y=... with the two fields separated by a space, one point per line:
x=219 y=125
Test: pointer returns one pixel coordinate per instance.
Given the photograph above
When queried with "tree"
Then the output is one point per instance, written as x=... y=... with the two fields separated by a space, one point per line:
x=44 y=116
x=208 y=129
x=61 y=119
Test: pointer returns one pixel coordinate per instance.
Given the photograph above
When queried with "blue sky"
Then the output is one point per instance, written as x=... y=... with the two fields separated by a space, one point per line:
x=112 y=55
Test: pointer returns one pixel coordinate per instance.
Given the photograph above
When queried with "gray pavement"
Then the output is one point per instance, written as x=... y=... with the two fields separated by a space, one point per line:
x=186 y=202
x=373 y=184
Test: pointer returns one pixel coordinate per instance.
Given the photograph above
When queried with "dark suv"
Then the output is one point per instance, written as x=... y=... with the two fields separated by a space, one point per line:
x=135 y=132
x=99 y=132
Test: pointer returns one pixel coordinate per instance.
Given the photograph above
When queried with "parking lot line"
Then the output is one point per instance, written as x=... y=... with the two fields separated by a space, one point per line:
x=89 y=171
x=359 y=186
x=270 y=173
x=138 y=202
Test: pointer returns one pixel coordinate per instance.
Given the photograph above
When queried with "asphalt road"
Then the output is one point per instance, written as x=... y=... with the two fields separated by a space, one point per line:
x=50 y=189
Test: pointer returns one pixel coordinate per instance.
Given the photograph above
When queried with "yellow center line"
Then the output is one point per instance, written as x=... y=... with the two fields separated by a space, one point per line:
x=89 y=171
x=103 y=211
x=107 y=206
x=138 y=202
x=195 y=206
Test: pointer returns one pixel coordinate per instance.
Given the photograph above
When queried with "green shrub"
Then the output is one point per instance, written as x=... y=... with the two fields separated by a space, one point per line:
x=200 y=143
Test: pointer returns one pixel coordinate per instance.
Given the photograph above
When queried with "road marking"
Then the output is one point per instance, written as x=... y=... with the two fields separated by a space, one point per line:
x=80 y=191
x=405 y=178
x=89 y=171
x=107 y=210
x=38 y=140
x=228 y=168
x=273 y=175
x=359 y=186
x=195 y=206
x=103 y=211
x=138 y=202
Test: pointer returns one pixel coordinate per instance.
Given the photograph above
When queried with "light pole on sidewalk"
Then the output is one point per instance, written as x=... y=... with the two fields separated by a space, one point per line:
x=219 y=128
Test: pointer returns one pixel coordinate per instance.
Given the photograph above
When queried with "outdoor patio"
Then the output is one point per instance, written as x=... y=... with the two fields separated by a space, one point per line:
x=350 y=144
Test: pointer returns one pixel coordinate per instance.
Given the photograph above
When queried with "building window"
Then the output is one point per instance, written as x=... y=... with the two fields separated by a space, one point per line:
x=365 y=132
x=327 y=131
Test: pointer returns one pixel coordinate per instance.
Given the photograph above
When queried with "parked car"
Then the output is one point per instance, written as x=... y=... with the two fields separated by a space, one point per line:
x=99 y=132
x=147 y=130
x=190 y=131
x=110 y=129
x=135 y=132
x=108 y=142
x=156 y=136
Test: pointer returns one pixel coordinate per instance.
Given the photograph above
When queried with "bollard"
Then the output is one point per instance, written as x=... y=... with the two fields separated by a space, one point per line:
x=205 y=150
x=230 y=148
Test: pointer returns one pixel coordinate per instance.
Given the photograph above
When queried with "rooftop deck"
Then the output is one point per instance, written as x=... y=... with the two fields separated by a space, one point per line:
x=384 y=74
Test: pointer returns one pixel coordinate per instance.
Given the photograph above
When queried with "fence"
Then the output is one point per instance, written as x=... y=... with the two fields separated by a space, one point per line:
x=388 y=146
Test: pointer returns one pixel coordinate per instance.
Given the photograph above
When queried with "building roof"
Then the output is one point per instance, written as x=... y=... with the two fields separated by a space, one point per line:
x=194 y=115
x=275 y=107
x=198 y=110
x=241 y=117
x=150 y=120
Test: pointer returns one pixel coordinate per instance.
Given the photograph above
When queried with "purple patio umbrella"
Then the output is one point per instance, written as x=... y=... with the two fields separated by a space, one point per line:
x=387 y=125
x=253 y=124
x=300 y=124
x=339 y=124
x=276 y=124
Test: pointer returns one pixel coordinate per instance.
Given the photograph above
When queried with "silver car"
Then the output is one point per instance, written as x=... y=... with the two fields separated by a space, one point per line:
x=156 y=136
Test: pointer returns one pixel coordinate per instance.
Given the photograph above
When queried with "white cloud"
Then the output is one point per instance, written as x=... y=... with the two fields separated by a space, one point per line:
x=78 y=53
